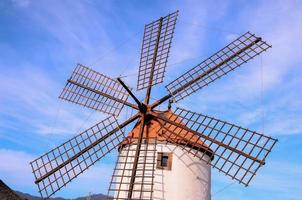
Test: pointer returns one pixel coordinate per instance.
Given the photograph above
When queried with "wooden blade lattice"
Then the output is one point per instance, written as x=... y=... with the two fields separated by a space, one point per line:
x=144 y=178
x=221 y=63
x=91 y=89
x=155 y=50
x=61 y=165
x=237 y=152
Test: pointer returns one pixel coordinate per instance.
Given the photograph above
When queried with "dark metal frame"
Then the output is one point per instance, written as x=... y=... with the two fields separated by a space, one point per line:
x=58 y=167
x=155 y=50
x=236 y=151
x=94 y=90
x=122 y=179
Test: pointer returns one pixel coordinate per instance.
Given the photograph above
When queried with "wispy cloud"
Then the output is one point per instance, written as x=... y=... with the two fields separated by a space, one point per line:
x=16 y=172
x=284 y=181
x=256 y=90
x=284 y=178
x=15 y=169
x=21 y=3
x=33 y=103
x=47 y=41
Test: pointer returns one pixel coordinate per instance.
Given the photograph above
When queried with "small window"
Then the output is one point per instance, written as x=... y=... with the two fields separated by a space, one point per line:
x=164 y=161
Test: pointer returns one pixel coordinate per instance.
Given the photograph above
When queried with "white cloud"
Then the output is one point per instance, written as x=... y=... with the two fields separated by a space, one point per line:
x=95 y=180
x=231 y=37
x=69 y=23
x=16 y=172
x=285 y=178
x=15 y=169
x=269 y=87
x=191 y=29
x=32 y=101
x=21 y=3
x=278 y=25
x=285 y=126
x=280 y=179
x=249 y=118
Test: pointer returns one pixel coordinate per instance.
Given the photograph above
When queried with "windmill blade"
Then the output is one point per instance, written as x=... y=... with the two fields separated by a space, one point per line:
x=221 y=63
x=155 y=50
x=94 y=90
x=235 y=151
x=61 y=165
x=145 y=172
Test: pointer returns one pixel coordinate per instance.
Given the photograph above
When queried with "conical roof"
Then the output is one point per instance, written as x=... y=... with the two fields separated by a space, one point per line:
x=153 y=130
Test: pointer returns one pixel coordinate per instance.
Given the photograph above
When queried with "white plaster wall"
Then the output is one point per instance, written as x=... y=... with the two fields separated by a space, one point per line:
x=189 y=178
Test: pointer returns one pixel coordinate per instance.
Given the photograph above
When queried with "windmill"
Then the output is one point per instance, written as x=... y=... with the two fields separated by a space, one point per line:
x=164 y=147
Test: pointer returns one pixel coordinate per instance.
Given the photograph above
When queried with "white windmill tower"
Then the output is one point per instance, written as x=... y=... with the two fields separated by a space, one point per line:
x=163 y=164
x=168 y=155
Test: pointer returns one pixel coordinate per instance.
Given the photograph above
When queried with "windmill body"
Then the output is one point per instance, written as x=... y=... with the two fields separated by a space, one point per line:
x=177 y=173
x=168 y=155
x=189 y=177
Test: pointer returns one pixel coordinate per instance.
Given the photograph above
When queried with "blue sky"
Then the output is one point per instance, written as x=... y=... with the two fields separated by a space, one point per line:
x=41 y=42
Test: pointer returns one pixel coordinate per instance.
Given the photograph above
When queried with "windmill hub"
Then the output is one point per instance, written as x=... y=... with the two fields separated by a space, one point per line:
x=144 y=108
x=155 y=159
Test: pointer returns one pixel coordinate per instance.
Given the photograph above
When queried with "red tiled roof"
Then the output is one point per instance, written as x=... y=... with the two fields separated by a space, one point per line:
x=154 y=130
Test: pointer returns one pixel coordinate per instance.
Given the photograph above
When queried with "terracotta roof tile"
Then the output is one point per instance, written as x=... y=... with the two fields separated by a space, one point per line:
x=153 y=130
